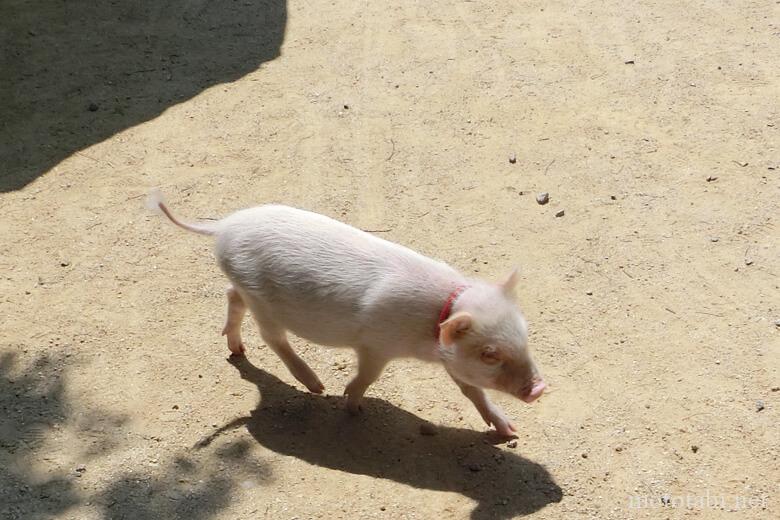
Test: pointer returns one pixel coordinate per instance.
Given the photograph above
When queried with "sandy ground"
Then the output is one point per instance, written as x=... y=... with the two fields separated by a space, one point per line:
x=653 y=302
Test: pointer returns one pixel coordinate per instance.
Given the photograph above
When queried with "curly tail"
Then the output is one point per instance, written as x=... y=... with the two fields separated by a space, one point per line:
x=156 y=203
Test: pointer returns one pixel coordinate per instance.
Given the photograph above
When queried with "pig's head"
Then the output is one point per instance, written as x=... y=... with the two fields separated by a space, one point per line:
x=484 y=342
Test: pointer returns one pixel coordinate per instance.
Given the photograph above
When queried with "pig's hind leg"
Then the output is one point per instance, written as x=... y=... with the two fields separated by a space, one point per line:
x=277 y=340
x=235 y=315
x=275 y=337
x=370 y=367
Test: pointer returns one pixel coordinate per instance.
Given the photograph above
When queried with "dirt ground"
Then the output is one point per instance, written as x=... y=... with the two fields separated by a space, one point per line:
x=653 y=301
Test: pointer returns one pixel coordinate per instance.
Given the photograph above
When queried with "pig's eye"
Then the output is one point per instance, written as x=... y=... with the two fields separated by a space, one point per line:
x=490 y=356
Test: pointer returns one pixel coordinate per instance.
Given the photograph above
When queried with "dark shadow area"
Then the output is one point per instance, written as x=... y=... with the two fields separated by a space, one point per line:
x=187 y=487
x=385 y=442
x=76 y=72
x=138 y=496
x=34 y=484
x=31 y=407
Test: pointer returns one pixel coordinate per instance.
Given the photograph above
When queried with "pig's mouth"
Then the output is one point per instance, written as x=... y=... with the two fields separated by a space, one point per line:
x=532 y=394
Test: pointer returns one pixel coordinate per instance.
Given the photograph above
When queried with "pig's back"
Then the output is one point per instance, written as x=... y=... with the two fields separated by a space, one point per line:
x=308 y=268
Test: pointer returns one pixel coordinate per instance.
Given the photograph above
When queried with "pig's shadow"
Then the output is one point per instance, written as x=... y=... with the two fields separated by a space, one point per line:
x=385 y=442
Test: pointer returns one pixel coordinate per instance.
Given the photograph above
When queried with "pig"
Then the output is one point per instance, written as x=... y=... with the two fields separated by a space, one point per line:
x=335 y=285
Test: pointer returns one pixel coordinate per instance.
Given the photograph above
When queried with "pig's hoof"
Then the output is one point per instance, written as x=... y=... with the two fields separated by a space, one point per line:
x=505 y=431
x=315 y=387
x=504 y=427
x=236 y=346
x=238 y=351
x=303 y=373
x=354 y=408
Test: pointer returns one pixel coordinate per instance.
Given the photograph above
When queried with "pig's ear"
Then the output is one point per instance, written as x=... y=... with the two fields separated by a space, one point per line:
x=510 y=282
x=454 y=327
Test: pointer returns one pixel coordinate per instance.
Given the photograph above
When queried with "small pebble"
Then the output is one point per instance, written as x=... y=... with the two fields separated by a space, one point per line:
x=175 y=407
x=613 y=197
x=748 y=261
x=346 y=107
x=629 y=62
x=776 y=388
x=712 y=178
x=584 y=455
x=694 y=448
x=618 y=448
x=560 y=213
x=81 y=468
x=64 y=263
x=428 y=429
x=742 y=163
x=475 y=467
x=589 y=293
x=93 y=107
x=512 y=158
x=543 y=198
x=714 y=239
x=759 y=405
x=511 y=444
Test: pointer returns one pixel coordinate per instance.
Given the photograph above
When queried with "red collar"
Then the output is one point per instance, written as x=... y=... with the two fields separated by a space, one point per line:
x=447 y=309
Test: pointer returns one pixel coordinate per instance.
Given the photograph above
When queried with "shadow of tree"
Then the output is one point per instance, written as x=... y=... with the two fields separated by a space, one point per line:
x=193 y=488
x=75 y=73
x=36 y=411
x=32 y=406
x=385 y=442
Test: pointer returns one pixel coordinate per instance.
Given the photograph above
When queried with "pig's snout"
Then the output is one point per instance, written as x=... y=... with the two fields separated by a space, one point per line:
x=532 y=393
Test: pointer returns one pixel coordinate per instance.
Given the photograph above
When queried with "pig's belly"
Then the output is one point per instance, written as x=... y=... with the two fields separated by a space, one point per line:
x=323 y=328
x=326 y=321
x=325 y=305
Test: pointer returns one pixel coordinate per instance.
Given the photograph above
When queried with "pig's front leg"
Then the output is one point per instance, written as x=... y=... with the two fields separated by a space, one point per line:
x=491 y=413
x=370 y=367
